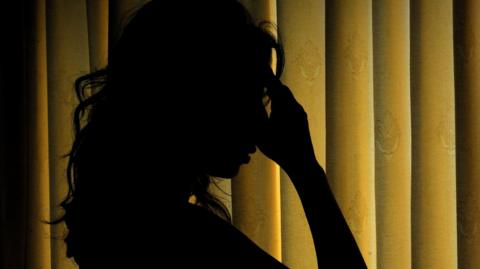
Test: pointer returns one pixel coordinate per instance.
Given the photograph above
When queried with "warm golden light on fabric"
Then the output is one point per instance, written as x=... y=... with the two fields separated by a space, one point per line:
x=38 y=235
x=391 y=43
x=434 y=214
x=350 y=123
x=256 y=203
x=68 y=57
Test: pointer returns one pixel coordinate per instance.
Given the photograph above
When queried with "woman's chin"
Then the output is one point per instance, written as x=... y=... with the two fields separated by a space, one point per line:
x=231 y=169
x=227 y=173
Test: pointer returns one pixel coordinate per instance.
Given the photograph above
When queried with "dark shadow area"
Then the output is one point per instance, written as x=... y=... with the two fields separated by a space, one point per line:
x=13 y=134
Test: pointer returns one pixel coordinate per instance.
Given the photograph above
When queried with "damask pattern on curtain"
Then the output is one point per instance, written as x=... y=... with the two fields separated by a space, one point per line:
x=392 y=91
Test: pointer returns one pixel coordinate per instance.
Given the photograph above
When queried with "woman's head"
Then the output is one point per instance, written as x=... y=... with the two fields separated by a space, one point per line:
x=181 y=100
x=193 y=81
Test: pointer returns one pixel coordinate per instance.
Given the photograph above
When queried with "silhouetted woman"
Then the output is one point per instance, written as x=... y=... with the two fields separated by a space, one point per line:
x=181 y=101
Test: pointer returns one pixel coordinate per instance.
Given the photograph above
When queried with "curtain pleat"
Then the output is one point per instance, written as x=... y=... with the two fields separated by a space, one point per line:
x=467 y=95
x=305 y=75
x=350 y=123
x=97 y=12
x=391 y=46
x=434 y=223
x=256 y=203
x=38 y=237
x=67 y=59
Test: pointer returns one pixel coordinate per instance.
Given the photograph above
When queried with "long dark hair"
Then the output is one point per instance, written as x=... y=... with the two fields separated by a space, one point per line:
x=99 y=119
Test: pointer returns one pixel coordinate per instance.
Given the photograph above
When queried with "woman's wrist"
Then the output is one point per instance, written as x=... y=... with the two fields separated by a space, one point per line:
x=304 y=169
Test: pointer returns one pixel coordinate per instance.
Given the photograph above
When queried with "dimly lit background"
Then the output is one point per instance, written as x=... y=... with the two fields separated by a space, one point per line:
x=391 y=88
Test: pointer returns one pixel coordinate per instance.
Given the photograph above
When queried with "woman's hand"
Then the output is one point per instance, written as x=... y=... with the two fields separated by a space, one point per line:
x=285 y=137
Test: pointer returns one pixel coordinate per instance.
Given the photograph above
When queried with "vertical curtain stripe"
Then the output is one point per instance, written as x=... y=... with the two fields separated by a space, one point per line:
x=391 y=43
x=38 y=254
x=256 y=203
x=434 y=234
x=350 y=125
x=67 y=58
x=97 y=12
x=305 y=75
x=467 y=89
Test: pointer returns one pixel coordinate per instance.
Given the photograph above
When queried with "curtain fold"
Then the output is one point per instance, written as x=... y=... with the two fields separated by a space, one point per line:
x=305 y=75
x=97 y=14
x=350 y=164
x=434 y=235
x=67 y=58
x=391 y=60
x=467 y=96
x=38 y=236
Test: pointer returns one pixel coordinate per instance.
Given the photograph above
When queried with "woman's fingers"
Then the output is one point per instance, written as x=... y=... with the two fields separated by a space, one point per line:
x=281 y=96
x=285 y=138
x=275 y=88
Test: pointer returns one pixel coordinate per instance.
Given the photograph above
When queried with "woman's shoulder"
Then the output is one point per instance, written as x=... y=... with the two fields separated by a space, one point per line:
x=210 y=241
x=188 y=236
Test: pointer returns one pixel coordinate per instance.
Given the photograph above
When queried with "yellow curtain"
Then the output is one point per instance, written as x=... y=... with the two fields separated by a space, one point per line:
x=434 y=214
x=38 y=253
x=305 y=75
x=391 y=106
x=391 y=45
x=69 y=39
x=392 y=92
